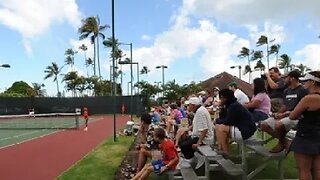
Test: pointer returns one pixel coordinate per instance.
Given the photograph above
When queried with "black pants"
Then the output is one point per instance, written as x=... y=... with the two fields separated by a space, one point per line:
x=186 y=146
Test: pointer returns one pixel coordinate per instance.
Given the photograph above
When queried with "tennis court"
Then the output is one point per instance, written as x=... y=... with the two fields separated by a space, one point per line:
x=15 y=129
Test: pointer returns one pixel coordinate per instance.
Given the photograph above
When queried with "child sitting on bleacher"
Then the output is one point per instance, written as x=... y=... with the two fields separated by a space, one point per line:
x=169 y=160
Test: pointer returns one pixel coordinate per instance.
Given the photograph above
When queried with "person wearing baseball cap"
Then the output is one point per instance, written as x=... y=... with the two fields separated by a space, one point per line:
x=202 y=130
x=278 y=125
x=306 y=144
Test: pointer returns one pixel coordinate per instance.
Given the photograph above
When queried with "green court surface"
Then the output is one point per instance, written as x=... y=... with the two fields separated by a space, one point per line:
x=10 y=137
x=14 y=130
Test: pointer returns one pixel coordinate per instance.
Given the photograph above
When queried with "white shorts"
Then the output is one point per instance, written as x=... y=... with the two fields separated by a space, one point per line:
x=235 y=134
x=287 y=123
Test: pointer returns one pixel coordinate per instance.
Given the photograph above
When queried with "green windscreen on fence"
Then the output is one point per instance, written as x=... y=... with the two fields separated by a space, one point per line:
x=40 y=121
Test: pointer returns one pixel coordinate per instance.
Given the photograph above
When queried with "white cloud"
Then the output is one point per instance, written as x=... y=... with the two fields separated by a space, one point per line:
x=146 y=37
x=182 y=41
x=34 y=17
x=272 y=31
x=309 y=55
x=252 y=11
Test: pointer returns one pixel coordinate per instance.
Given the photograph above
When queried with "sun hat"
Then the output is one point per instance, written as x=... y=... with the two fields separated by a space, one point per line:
x=309 y=76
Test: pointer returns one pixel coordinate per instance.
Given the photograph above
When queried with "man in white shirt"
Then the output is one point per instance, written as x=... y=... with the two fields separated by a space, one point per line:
x=242 y=98
x=202 y=130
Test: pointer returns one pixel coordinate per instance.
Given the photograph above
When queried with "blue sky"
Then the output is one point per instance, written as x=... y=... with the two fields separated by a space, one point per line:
x=195 y=39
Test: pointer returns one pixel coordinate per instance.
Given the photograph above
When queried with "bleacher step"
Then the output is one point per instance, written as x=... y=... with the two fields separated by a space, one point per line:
x=229 y=167
x=261 y=150
x=188 y=174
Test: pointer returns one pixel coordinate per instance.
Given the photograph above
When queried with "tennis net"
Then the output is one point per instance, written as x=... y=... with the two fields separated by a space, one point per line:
x=40 y=121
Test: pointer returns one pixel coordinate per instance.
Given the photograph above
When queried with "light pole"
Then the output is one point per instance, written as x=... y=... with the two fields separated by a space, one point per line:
x=157 y=82
x=163 y=67
x=128 y=87
x=113 y=74
x=128 y=61
x=239 y=67
x=5 y=65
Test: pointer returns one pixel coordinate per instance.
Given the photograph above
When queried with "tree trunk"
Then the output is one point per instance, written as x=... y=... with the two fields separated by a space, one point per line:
x=57 y=86
x=98 y=57
x=94 y=58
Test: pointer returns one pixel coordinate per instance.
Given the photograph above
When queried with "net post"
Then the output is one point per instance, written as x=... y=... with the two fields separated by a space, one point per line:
x=78 y=113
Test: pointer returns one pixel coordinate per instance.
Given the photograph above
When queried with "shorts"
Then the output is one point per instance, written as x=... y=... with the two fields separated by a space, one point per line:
x=157 y=164
x=305 y=146
x=235 y=134
x=259 y=116
x=287 y=123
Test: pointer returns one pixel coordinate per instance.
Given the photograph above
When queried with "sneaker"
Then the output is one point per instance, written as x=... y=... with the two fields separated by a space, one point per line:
x=86 y=129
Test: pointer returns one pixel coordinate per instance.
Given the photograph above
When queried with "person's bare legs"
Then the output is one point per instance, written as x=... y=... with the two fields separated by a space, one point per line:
x=180 y=132
x=278 y=133
x=142 y=159
x=139 y=174
x=222 y=133
x=147 y=171
x=316 y=167
x=304 y=163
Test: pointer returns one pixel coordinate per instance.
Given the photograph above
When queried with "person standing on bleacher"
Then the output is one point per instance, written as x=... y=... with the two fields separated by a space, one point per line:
x=306 y=144
x=280 y=124
x=275 y=87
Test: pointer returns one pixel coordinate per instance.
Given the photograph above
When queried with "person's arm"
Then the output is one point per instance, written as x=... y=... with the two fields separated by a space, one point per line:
x=271 y=83
x=302 y=106
x=252 y=104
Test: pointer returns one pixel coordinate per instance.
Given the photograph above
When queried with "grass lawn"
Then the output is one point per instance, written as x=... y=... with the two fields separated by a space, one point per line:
x=102 y=162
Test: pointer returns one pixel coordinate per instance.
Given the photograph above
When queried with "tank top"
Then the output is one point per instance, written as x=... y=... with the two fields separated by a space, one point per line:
x=309 y=125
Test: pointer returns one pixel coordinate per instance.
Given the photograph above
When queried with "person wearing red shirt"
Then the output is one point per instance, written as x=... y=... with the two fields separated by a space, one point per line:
x=85 y=115
x=169 y=161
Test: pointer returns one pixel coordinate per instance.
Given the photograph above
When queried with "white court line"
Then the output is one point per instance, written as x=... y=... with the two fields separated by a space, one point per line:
x=92 y=120
x=19 y=135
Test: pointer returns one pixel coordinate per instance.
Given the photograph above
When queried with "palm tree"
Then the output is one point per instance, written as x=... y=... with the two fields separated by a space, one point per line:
x=260 y=67
x=303 y=69
x=53 y=71
x=145 y=70
x=89 y=62
x=245 y=52
x=274 y=49
x=284 y=62
x=84 y=48
x=71 y=82
x=91 y=25
x=258 y=55
x=38 y=89
x=70 y=57
x=263 y=40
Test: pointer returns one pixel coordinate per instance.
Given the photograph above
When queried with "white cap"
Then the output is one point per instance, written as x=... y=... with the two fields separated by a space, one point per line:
x=194 y=100
x=202 y=92
x=309 y=77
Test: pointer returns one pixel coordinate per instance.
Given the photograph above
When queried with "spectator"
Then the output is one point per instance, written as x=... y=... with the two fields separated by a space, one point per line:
x=155 y=116
x=280 y=124
x=144 y=125
x=202 y=132
x=146 y=149
x=174 y=118
x=234 y=122
x=260 y=103
x=169 y=160
x=242 y=98
x=306 y=144
x=275 y=88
